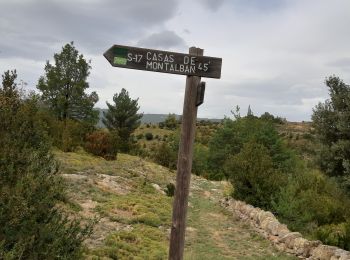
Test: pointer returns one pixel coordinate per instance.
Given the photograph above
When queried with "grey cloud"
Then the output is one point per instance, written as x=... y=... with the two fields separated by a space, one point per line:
x=164 y=39
x=343 y=63
x=33 y=28
x=245 y=5
x=281 y=90
x=213 y=5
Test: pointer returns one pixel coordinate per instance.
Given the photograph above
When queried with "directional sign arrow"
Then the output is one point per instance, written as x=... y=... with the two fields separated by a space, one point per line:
x=163 y=61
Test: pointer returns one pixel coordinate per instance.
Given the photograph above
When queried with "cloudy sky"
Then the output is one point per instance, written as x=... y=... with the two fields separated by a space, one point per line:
x=276 y=53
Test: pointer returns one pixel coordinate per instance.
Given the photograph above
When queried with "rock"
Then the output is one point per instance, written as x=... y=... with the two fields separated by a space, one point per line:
x=289 y=239
x=263 y=215
x=274 y=228
x=266 y=222
x=158 y=188
x=323 y=252
x=341 y=254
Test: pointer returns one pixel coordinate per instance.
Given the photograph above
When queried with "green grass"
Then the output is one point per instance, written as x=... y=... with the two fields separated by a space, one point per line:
x=135 y=217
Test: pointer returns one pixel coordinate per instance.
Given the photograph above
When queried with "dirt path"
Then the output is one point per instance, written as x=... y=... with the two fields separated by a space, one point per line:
x=215 y=234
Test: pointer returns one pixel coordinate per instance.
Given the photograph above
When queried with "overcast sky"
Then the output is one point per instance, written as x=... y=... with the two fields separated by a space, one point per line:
x=276 y=53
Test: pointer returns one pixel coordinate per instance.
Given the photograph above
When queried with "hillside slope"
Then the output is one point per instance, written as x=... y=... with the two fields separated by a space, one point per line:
x=134 y=215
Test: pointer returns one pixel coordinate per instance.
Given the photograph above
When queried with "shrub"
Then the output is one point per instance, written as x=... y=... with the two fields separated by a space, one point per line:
x=102 y=143
x=165 y=155
x=171 y=122
x=335 y=234
x=310 y=199
x=170 y=189
x=229 y=140
x=139 y=136
x=200 y=159
x=31 y=224
x=149 y=136
x=252 y=175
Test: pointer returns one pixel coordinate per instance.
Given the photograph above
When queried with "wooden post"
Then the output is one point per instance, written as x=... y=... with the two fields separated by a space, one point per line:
x=184 y=165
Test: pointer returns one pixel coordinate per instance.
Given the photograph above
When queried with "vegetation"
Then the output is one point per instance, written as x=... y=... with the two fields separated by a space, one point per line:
x=299 y=171
x=331 y=121
x=136 y=217
x=122 y=118
x=255 y=179
x=102 y=143
x=64 y=84
x=31 y=224
x=69 y=109
x=231 y=137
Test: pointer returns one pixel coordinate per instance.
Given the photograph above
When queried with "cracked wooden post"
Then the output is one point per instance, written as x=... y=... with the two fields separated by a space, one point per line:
x=184 y=165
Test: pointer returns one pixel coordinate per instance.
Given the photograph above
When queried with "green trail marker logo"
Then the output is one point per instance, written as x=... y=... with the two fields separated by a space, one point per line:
x=120 y=56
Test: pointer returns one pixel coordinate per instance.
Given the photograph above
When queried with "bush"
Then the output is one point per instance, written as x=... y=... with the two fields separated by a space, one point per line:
x=200 y=159
x=170 y=189
x=165 y=155
x=335 y=234
x=171 y=122
x=149 y=136
x=31 y=224
x=102 y=143
x=229 y=140
x=252 y=175
x=311 y=199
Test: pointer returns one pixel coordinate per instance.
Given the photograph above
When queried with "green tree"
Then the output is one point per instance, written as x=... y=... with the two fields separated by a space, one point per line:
x=122 y=118
x=171 y=122
x=64 y=84
x=31 y=224
x=331 y=121
x=230 y=138
x=9 y=86
x=253 y=176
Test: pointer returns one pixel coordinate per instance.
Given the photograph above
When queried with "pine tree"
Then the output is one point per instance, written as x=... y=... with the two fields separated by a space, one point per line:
x=122 y=118
x=9 y=86
x=64 y=84
x=250 y=112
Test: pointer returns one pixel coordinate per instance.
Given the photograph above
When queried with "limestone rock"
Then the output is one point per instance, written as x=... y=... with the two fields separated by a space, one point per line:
x=323 y=252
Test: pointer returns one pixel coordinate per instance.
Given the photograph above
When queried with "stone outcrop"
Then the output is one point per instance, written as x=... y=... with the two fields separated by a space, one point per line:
x=285 y=240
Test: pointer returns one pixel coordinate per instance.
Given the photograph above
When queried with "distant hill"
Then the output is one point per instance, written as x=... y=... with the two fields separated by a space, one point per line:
x=151 y=118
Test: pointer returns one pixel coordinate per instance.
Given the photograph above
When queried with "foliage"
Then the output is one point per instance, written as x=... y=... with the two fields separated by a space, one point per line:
x=171 y=122
x=170 y=189
x=165 y=155
x=122 y=117
x=335 y=235
x=31 y=224
x=200 y=159
x=253 y=176
x=64 y=84
x=230 y=138
x=269 y=117
x=310 y=199
x=9 y=88
x=149 y=136
x=331 y=121
x=66 y=135
x=102 y=143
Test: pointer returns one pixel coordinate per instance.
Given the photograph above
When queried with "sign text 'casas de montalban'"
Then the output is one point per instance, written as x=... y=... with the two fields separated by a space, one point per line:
x=163 y=61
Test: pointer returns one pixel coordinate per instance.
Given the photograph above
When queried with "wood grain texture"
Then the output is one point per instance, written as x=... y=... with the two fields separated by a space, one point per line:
x=184 y=165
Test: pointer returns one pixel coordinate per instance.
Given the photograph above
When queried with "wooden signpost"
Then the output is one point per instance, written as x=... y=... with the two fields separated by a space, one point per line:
x=195 y=66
